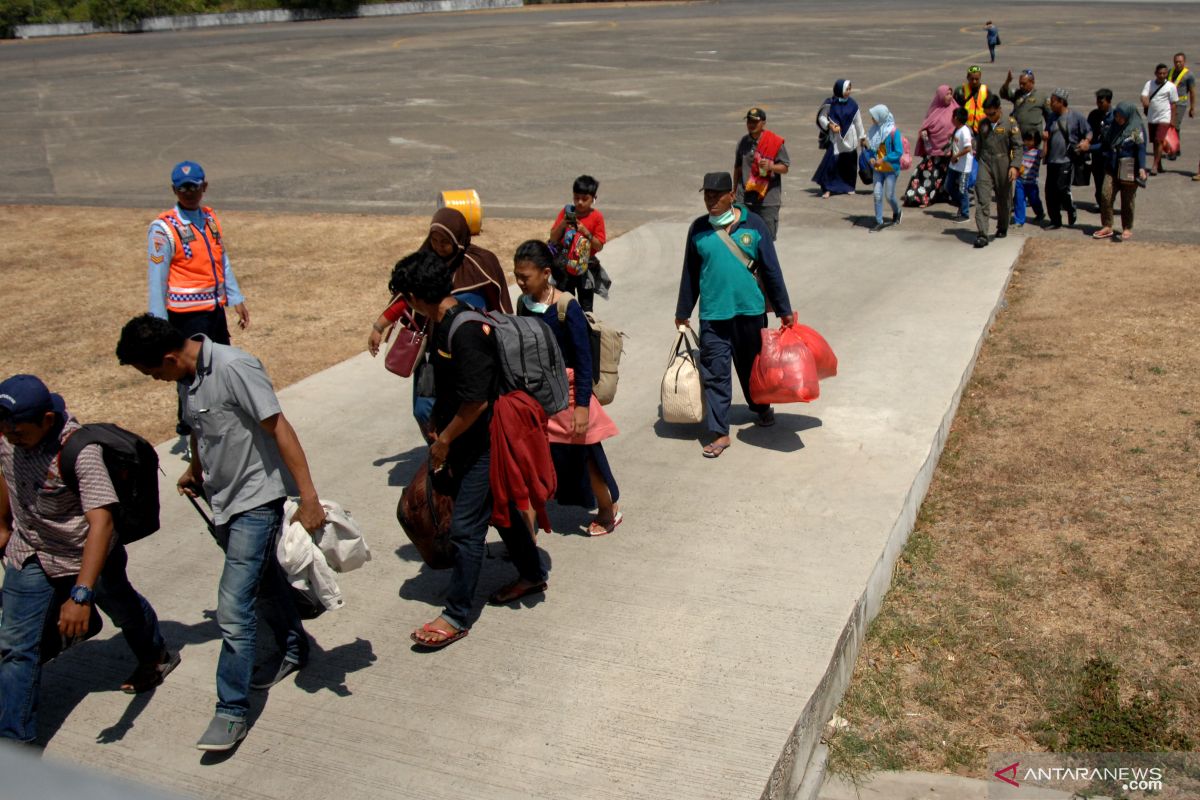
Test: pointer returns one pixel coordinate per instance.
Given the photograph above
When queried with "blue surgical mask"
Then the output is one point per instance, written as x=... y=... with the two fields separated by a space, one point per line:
x=723 y=220
x=533 y=305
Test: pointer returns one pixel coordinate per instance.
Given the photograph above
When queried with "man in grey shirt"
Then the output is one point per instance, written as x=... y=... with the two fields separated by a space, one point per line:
x=758 y=164
x=242 y=444
x=1064 y=133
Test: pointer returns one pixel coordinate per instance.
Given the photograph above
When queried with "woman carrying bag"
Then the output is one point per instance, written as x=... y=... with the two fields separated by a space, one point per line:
x=839 y=117
x=1124 y=172
x=888 y=146
x=584 y=476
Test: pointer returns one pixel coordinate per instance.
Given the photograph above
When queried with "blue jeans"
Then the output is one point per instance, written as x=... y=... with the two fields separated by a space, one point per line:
x=957 y=188
x=1026 y=192
x=29 y=596
x=885 y=185
x=723 y=340
x=468 y=532
x=252 y=573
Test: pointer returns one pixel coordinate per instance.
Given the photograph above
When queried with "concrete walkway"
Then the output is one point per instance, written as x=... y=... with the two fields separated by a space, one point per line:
x=670 y=660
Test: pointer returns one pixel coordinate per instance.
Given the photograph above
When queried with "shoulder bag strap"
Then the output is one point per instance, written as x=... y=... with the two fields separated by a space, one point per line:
x=563 y=303
x=727 y=240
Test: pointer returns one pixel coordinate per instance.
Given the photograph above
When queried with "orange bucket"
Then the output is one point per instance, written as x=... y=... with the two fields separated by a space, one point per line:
x=466 y=201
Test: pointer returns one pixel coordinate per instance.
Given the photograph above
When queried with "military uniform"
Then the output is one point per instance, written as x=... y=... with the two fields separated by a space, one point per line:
x=997 y=147
x=1031 y=109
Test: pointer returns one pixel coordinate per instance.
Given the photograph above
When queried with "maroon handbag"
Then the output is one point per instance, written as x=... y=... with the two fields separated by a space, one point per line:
x=408 y=347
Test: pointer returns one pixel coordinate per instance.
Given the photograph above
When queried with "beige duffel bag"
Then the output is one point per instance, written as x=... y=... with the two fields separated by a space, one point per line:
x=682 y=391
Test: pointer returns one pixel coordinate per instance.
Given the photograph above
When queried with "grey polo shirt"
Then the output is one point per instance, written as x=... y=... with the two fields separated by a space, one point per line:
x=230 y=395
x=744 y=155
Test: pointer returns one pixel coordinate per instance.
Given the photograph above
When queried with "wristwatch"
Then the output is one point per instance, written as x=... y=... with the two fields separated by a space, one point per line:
x=81 y=595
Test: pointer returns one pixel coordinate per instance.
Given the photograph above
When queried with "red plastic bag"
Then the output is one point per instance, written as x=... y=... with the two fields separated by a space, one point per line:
x=784 y=371
x=1171 y=142
x=822 y=352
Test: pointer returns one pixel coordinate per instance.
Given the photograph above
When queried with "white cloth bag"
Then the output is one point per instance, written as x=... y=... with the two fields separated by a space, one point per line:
x=310 y=560
x=682 y=392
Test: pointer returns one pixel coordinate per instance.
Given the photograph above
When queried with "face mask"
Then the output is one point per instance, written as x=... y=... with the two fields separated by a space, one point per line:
x=533 y=305
x=721 y=221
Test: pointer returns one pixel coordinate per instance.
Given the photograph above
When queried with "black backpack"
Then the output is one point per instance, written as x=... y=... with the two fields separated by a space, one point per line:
x=133 y=468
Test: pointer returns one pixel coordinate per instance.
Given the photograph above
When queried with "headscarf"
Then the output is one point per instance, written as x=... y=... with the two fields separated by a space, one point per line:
x=475 y=269
x=1130 y=131
x=885 y=126
x=842 y=109
x=939 y=122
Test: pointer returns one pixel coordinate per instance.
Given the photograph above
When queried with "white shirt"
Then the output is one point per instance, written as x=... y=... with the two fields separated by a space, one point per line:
x=847 y=141
x=962 y=139
x=1162 y=103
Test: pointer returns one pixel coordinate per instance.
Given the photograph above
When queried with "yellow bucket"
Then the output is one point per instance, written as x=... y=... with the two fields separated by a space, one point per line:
x=467 y=202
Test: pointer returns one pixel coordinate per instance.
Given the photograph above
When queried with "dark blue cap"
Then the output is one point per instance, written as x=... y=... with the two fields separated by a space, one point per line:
x=24 y=398
x=187 y=172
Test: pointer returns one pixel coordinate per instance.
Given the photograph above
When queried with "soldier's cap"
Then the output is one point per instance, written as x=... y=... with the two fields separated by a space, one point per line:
x=717 y=182
x=24 y=398
x=756 y=113
x=187 y=172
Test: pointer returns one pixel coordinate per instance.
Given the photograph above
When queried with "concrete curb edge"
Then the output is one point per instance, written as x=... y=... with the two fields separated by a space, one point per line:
x=789 y=779
x=186 y=22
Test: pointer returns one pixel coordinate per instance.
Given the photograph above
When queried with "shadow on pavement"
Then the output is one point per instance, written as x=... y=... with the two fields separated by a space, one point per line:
x=404 y=465
x=783 y=436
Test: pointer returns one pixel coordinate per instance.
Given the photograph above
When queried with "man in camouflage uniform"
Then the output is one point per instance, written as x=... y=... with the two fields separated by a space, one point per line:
x=998 y=149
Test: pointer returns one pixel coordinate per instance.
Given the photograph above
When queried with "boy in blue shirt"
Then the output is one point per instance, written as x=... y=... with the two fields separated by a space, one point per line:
x=1027 y=182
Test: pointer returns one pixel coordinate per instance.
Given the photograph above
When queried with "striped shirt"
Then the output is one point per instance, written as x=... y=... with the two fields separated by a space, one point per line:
x=48 y=517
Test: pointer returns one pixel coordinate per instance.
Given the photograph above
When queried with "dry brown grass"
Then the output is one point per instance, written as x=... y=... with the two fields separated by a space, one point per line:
x=1061 y=523
x=314 y=284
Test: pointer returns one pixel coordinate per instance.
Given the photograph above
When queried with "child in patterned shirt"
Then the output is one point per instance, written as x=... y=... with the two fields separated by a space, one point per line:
x=1027 y=181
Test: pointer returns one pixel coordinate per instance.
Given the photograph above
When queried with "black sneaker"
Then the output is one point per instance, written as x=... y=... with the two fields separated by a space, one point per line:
x=961 y=218
x=1000 y=234
x=981 y=242
x=269 y=674
x=1071 y=219
x=1052 y=226
x=878 y=227
x=896 y=218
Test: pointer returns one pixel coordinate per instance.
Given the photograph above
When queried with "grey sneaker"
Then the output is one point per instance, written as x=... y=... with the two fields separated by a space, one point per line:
x=223 y=734
x=271 y=673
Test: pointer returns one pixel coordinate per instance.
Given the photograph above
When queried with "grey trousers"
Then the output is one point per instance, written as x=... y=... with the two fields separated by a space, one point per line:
x=992 y=182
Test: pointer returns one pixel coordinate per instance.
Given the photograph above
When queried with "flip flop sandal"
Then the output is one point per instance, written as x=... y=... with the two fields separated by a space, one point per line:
x=600 y=529
x=1102 y=235
x=1126 y=235
x=506 y=596
x=715 y=450
x=429 y=628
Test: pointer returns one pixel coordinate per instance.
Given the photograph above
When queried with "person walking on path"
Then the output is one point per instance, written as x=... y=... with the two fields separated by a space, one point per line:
x=576 y=433
x=759 y=162
x=579 y=234
x=928 y=185
x=962 y=166
x=1160 y=101
x=243 y=445
x=1185 y=85
x=1125 y=170
x=61 y=555
x=1030 y=108
x=972 y=95
x=993 y=39
x=843 y=126
x=998 y=151
x=1067 y=134
x=189 y=280
x=467 y=375
x=1100 y=119
x=888 y=145
x=728 y=260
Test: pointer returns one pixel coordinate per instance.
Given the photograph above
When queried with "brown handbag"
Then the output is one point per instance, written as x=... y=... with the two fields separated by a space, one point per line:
x=424 y=514
x=409 y=345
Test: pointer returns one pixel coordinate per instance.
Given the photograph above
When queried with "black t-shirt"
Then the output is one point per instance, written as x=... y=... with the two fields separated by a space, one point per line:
x=465 y=374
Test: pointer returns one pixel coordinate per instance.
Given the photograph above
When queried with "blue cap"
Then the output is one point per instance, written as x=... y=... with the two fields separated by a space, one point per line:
x=24 y=398
x=187 y=172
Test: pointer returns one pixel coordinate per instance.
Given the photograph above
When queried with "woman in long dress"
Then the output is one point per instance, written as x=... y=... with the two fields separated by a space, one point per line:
x=928 y=180
x=840 y=120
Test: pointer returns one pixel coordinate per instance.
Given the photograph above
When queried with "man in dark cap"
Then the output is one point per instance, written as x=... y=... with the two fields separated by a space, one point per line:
x=728 y=262
x=758 y=162
x=60 y=554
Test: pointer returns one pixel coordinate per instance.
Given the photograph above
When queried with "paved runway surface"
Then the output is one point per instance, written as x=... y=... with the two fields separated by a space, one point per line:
x=670 y=660
x=378 y=115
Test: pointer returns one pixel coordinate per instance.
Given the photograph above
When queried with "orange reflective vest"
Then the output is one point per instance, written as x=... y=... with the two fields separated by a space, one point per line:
x=196 y=278
x=974 y=105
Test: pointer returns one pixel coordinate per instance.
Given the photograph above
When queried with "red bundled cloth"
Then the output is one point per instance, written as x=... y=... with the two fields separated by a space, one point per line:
x=522 y=472
x=785 y=370
x=822 y=353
